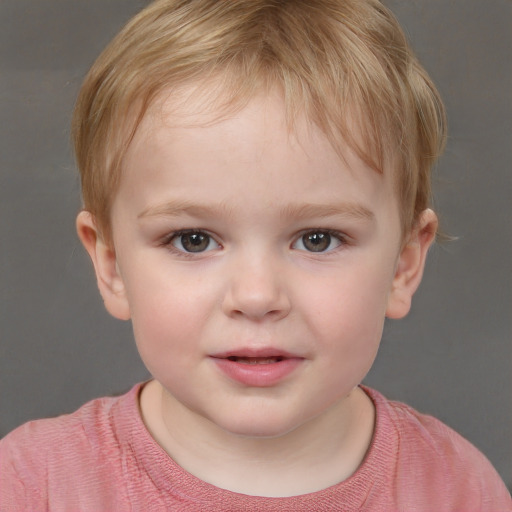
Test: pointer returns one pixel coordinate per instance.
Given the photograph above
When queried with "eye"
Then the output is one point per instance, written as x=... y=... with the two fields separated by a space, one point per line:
x=318 y=241
x=193 y=241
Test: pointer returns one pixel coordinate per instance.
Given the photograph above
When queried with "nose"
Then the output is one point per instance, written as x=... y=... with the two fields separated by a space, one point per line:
x=256 y=290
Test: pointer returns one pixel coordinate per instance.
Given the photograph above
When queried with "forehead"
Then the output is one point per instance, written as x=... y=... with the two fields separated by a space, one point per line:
x=185 y=148
x=211 y=103
x=222 y=123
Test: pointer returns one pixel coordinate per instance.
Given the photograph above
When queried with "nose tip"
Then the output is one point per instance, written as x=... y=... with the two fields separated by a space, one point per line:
x=257 y=294
x=256 y=309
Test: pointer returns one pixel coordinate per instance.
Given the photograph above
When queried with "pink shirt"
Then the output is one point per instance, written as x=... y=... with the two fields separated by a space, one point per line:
x=102 y=458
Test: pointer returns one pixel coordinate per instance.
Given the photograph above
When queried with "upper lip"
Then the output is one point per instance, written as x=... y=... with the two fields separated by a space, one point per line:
x=252 y=352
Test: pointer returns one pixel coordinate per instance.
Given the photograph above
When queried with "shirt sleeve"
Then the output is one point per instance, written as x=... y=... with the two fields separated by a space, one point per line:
x=440 y=470
x=21 y=474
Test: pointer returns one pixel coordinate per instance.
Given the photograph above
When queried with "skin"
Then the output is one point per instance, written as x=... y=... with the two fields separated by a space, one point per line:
x=257 y=196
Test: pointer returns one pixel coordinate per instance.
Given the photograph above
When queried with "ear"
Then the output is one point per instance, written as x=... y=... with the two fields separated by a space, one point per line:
x=110 y=282
x=411 y=264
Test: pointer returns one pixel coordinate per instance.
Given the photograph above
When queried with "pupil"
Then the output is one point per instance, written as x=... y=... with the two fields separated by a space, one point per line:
x=317 y=242
x=195 y=242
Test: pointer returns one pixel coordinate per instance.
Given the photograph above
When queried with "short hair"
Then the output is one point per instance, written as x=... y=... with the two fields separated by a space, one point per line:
x=333 y=60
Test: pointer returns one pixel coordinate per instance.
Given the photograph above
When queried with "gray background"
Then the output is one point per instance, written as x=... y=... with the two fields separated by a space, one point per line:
x=58 y=348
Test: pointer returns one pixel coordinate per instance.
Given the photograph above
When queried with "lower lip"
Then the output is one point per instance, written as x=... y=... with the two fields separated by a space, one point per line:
x=258 y=375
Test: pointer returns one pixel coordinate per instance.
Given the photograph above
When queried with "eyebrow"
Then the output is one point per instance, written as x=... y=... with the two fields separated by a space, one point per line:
x=297 y=211
x=354 y=211
x=177 y=208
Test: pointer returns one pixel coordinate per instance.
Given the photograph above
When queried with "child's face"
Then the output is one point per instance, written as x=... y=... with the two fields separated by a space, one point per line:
x=256 y=265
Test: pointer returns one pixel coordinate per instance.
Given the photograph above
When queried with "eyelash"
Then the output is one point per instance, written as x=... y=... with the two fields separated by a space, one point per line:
x=167 y=242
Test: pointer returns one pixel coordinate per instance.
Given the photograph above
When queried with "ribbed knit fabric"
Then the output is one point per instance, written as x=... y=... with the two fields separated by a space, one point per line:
x=102 y=458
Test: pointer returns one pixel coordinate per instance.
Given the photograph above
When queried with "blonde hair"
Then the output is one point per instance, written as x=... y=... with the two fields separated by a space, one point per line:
x=334 y=61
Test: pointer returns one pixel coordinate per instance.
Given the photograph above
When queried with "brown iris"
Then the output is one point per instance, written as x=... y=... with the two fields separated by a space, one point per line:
x=317 y=241
x=195 y=242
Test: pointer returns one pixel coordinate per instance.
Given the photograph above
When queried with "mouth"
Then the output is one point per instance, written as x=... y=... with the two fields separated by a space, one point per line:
x=254 y=356
x=257 y=367
x=256 y=360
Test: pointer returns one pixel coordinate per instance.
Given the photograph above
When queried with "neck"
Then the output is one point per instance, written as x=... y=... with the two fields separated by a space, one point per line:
x=318 y=454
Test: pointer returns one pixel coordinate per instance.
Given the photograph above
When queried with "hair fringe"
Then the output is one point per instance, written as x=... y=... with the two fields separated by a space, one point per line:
x=341 y=63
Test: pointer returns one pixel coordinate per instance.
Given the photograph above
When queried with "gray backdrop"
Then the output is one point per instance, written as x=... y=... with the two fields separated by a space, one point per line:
x=451 y=357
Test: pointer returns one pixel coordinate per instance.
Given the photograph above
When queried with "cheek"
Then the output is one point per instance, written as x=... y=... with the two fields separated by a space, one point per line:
x=348 y=314
x=352 y=299
x=168 y=315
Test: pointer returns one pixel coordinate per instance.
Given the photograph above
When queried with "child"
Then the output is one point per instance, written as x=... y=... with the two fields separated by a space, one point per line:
x=255 y=176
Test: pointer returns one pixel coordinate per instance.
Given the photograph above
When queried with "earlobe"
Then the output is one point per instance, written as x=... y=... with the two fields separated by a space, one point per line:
x=411 y=264
x=110 y=282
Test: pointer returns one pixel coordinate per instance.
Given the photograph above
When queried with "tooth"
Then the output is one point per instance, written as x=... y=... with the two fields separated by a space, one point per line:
x=268 y=360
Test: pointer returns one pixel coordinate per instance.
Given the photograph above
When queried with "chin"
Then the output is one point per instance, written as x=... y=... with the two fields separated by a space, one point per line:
x=261 y=426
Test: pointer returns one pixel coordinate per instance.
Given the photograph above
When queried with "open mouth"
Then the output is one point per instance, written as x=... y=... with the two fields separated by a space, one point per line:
x=257 y=367
x=255 y=360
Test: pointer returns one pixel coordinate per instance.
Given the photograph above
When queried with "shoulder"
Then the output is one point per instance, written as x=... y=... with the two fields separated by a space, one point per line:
x=39 y=441
x=41 y=458
x=433 y=462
